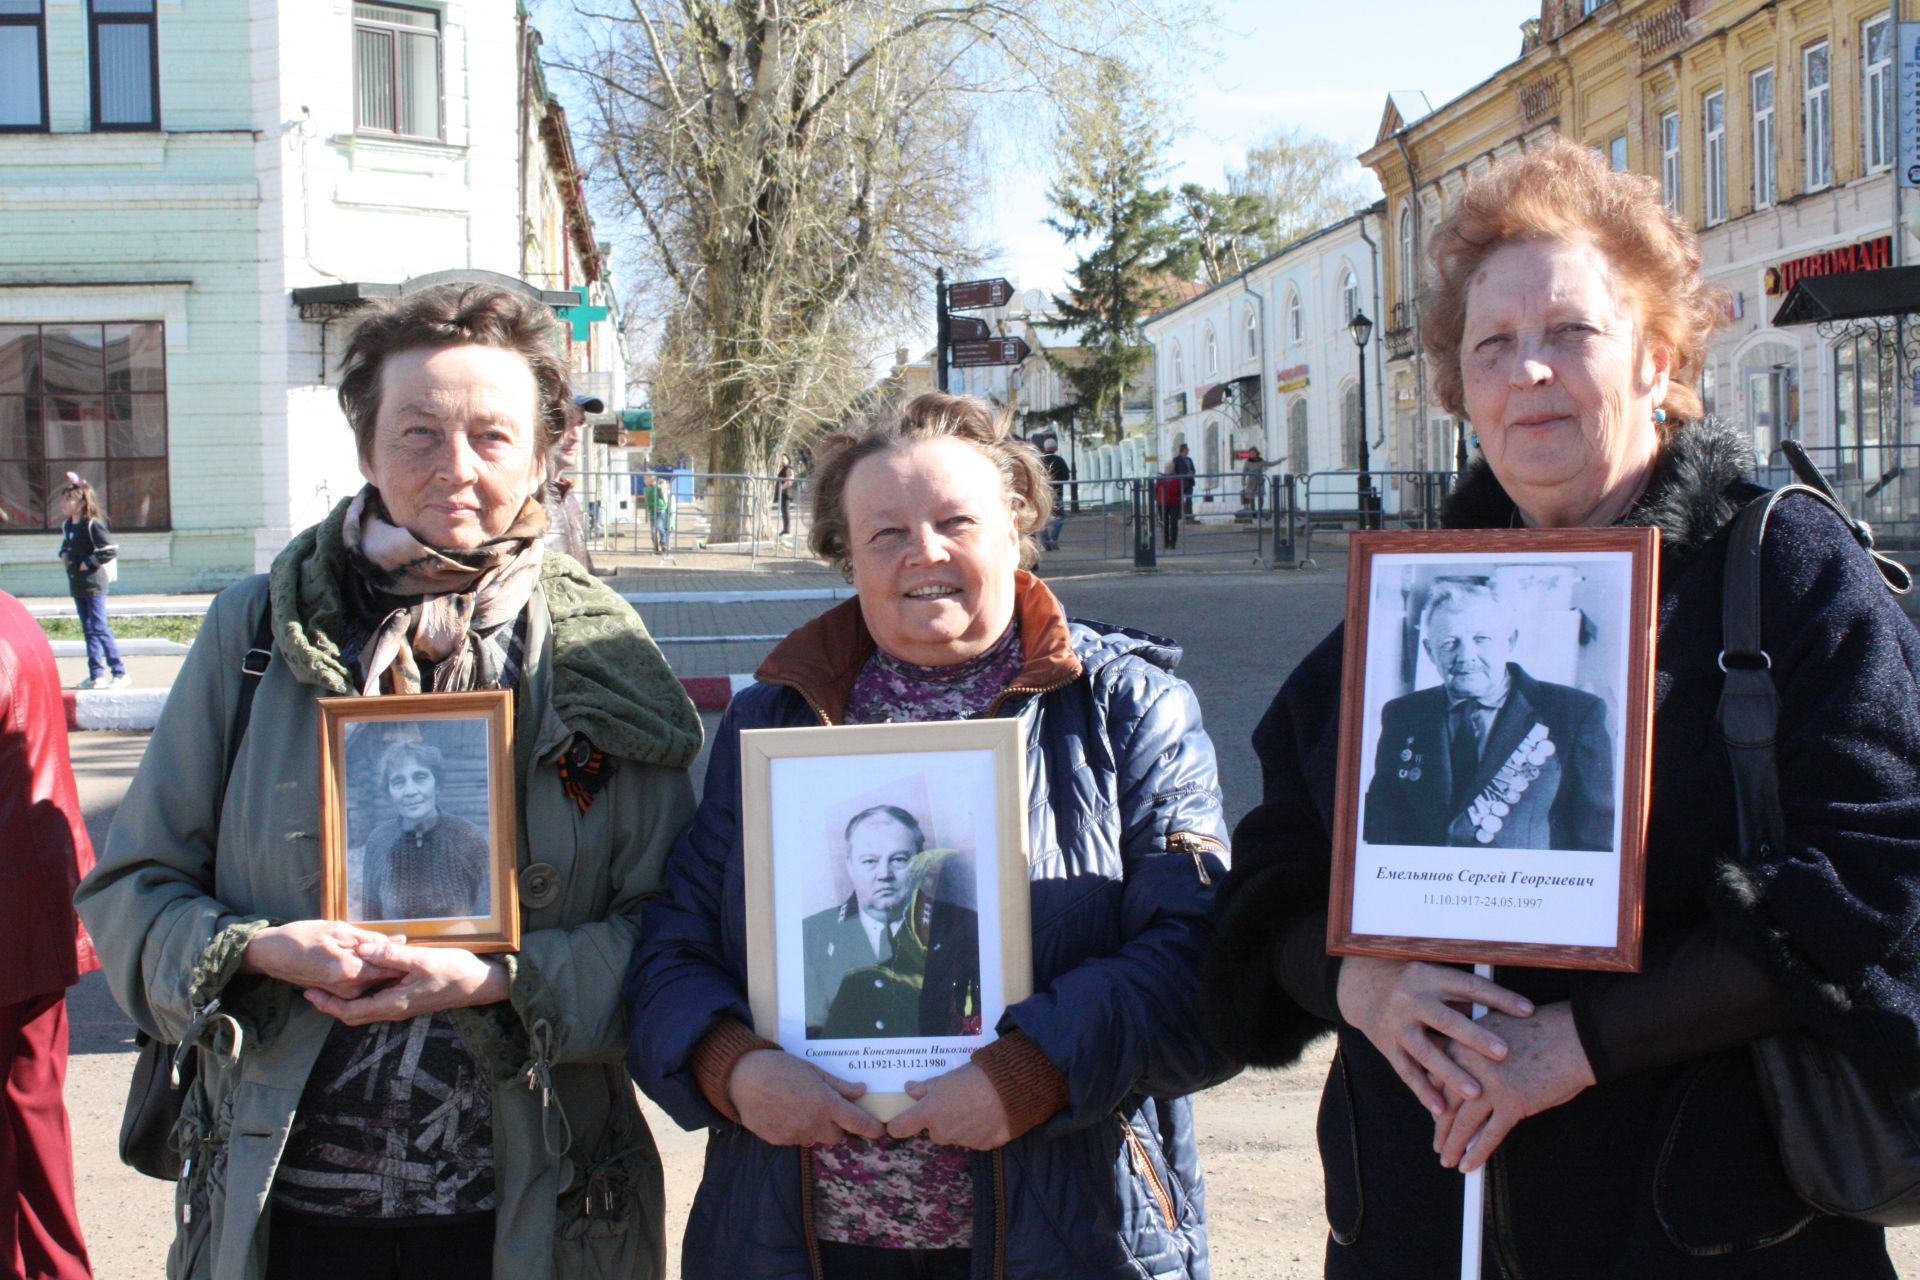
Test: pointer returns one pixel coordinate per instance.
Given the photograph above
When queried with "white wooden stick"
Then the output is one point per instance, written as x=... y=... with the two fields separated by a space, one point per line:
x=1473 y=1210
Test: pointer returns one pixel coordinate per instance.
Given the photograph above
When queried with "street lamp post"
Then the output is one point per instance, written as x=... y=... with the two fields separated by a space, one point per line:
x=1362 y=329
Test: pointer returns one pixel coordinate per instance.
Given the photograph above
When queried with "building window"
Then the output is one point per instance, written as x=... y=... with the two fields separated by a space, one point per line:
x=23 y=62
x=86 y=398
x=1819 y=117
x=1179 y=368
x=1866 y=379
x=1617 y=154
x=1876 y=105
x=1763 y=138
x=1296 y=317
x=126 y=64
x=1670 y=159
x=1250 y=327
x=1349 y=297
x=396 y=68
x=1714 y=111
x=1210 y=352
x=1350 y=427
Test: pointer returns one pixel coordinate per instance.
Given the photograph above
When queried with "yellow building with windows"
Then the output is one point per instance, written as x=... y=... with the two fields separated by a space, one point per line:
x=1769 y=125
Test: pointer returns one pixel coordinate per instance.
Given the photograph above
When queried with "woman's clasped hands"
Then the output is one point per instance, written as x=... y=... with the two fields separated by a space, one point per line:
x=1477 y=1079
x=359 y=976
x=787 y=1101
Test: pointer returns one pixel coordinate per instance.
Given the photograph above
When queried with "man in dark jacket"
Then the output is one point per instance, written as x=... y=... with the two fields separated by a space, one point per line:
x=1183 y=467
x=1058 y=474
x=1491 y=756
x=44 y=850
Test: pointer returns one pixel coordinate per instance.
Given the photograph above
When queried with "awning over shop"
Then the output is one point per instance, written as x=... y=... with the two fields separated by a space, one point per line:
x=323 y=301
x=1853 y=295
x=1212 y=394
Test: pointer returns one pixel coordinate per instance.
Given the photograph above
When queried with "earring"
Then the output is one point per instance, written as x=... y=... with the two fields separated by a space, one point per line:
x=1473 y=438
x=1659 y=417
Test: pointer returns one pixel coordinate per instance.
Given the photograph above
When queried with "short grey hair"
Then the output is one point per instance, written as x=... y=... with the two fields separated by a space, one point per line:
x=412 y=749
x=892 y=812
x=1462 y=593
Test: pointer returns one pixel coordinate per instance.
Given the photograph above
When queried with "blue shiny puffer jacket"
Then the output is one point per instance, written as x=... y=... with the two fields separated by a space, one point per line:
x=1127 y=841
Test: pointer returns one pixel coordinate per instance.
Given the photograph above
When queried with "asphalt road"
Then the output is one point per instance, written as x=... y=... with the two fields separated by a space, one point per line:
x=1242 y=633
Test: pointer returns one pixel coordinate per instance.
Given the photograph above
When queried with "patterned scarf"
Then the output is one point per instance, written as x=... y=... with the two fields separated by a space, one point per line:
x=461 y=594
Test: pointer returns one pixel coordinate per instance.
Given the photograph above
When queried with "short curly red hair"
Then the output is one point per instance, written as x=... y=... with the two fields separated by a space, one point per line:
x=1564 y=191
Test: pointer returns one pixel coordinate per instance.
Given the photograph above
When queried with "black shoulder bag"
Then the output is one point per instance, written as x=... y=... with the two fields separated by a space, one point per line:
x=1850 y=1145
x=162 y=1072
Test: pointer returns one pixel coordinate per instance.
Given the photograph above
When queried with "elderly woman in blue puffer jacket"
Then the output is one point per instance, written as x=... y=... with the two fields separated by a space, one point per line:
x=1066 y=1146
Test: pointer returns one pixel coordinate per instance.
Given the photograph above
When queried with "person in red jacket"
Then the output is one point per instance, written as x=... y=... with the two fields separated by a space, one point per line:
x=44 y=850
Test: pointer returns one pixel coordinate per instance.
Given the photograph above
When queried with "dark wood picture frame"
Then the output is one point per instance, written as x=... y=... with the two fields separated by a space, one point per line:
x=1498 y=549
x=499 y=928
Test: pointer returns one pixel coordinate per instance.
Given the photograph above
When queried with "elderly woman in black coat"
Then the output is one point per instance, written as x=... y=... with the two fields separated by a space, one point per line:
x=1617 y=1115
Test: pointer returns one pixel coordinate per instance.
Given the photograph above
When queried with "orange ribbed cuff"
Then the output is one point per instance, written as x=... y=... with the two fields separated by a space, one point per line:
x=714 y=1058
x=1031 y=1088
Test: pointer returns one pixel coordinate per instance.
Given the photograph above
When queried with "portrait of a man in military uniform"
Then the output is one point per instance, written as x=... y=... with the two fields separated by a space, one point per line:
x=1491 y=756
x=897 y=957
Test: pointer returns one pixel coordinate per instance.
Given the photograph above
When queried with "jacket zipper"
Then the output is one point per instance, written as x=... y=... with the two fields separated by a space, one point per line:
x=1137 y=1154
x=999 y=1213
x=993 y=709
x=806 y=1215
x=1194 y=846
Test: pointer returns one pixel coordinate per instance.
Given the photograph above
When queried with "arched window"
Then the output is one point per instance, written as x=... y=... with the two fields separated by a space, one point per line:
x=1210 y=352
x=1250 y=327
x=1177 y=368
x=1296 y=317
x=1349 y=296
x=1407 y=263
x=1350 y=427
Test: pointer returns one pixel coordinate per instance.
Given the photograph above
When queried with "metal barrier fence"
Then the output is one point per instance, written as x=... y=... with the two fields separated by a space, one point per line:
x=1325 y=501
x=1879 y=483
x=730 y=514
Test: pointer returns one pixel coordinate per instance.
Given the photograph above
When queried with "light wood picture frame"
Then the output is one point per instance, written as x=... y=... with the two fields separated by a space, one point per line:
x=887 y=899
x=418 y=821
x=1496 y=732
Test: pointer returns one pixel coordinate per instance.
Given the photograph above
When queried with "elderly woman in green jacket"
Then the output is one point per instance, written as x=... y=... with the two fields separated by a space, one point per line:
x=365 y=1106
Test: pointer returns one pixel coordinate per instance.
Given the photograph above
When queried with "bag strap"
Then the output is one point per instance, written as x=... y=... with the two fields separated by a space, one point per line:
x=1809 y=475
x=1749 y=712
x=252 y=667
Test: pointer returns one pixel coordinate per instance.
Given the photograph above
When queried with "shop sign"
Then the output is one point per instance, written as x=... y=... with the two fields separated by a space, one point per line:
x=1907 y=161
x=1867 y=255
x=1403 y=395
x=1292 y=379
x=1174 y=406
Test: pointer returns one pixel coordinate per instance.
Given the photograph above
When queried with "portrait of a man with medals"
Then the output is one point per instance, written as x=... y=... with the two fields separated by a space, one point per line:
x=1491 y=756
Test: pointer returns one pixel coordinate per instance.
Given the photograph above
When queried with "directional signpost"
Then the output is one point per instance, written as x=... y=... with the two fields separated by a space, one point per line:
x=967 y=341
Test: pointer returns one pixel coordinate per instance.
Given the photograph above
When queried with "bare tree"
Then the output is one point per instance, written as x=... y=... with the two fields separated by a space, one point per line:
x=1302 y=181
x=794 y=170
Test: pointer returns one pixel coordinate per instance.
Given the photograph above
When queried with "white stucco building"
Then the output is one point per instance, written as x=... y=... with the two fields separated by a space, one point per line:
x=195 y=196
x=1265 y=360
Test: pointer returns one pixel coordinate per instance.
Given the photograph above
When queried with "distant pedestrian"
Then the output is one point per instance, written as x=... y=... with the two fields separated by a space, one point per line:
x=1183 y=467
x=1252 y=473
x=783 y=492
x=1058 y=474
x=566 y=523
x=1167 y=493
x=44 y=850
x=660 y=511
x=86 y=548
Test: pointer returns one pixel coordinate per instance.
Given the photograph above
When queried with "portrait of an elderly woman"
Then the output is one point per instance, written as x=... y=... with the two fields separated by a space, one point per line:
x=1617 y=1116
x=365 y=1106
x=423 y=862
x=1065 y=1147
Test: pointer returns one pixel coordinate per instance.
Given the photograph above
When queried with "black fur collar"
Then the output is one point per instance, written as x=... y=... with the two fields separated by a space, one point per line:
x=1704 y=475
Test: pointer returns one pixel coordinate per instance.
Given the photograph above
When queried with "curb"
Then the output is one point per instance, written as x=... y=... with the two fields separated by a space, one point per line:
x=140 y=708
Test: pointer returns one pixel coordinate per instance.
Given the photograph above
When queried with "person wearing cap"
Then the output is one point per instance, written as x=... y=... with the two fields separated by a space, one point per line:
x=566 y=523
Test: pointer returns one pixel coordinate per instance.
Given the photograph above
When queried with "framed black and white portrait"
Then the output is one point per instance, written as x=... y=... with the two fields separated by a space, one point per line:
x=886 y=894
x=417 y=813
x=1496 y=725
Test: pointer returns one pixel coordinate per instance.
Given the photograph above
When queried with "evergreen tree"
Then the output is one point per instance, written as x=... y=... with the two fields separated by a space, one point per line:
x=1107 y=157
x=1222 y=233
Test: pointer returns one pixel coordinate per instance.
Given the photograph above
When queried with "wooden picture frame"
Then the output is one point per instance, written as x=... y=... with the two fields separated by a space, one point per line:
x=887 y=903
x=1538 y=856
x=432 y=853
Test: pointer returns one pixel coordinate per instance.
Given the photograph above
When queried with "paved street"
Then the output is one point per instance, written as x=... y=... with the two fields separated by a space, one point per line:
x=1242 y=632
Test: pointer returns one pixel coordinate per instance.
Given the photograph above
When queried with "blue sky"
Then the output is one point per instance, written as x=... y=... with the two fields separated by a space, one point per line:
x=1325 y=66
